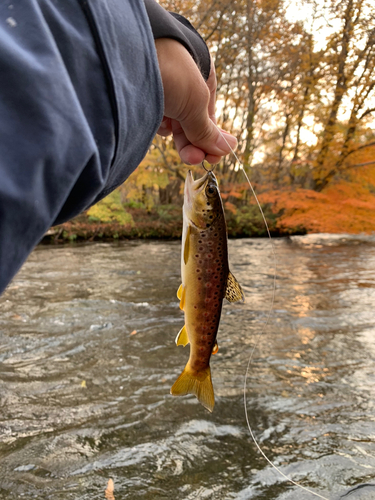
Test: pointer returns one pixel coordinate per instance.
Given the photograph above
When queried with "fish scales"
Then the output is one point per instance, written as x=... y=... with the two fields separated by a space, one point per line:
x=206 y=280
x=207 y=269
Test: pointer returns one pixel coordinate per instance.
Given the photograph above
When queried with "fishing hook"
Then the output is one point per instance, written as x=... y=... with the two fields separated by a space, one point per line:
x=212 y=169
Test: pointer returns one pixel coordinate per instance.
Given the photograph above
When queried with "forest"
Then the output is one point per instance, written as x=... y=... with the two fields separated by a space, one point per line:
x=296 y=86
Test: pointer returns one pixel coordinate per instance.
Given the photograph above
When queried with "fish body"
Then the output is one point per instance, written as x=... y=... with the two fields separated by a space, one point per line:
x=206 y=280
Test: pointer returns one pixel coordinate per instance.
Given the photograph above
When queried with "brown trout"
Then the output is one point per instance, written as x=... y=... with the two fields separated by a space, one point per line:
x=206 y=281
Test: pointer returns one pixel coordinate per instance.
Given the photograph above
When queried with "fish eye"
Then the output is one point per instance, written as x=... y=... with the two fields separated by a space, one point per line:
x=210 y=190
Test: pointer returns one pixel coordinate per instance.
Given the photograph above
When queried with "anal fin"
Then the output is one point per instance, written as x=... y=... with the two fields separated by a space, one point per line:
x=182 y=337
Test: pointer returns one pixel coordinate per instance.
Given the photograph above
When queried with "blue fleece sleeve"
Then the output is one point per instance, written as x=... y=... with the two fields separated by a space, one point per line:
x=80 y=101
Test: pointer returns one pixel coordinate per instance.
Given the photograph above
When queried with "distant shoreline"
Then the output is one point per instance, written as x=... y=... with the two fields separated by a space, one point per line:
x=149 y=225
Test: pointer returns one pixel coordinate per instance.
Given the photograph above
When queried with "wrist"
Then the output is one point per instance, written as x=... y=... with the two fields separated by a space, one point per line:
x=175 y=27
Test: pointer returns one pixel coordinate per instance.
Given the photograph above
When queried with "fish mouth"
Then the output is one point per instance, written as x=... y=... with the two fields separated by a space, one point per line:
x=198 y=184
x=194 y=187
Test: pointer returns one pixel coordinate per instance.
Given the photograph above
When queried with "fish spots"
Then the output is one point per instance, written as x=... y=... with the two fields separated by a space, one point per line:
x=198 y=270
x=197 y=255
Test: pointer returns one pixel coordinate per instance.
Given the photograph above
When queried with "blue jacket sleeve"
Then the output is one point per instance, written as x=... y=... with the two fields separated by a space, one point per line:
x=80 y=101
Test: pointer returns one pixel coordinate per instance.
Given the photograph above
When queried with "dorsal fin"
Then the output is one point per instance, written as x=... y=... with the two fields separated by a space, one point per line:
x=233 y=292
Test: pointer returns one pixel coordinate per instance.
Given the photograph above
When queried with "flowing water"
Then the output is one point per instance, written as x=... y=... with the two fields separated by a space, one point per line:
x=87 y=358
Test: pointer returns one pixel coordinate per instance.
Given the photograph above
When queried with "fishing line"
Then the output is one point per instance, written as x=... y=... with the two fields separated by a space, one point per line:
x=268 y=317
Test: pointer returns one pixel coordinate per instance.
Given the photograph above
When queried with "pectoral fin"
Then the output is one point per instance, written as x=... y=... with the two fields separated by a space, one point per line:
x=187 y=245
x=182 y=337
x=179 y=291
x=233 y=292
x=215 y=348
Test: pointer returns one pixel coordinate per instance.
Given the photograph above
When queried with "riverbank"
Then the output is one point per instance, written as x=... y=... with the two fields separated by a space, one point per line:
x=162 y=222
x=347 y=206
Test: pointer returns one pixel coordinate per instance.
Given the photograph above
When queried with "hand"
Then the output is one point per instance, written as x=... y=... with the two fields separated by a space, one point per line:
x=189 y=106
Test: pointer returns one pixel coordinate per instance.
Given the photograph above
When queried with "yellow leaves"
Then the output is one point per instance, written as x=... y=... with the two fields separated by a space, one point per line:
x=158 y=170
x=110 y=209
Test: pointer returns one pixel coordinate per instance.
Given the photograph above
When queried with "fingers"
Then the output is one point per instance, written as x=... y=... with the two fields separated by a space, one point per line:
x=193 y=155
x=189 y=106
x=165 y=128
x=198 y=130
x=196 y=135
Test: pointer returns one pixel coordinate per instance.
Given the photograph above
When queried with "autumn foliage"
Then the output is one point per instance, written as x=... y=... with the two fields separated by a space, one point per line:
x=296 y=85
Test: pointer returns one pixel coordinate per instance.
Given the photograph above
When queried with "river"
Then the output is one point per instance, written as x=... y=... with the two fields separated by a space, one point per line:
x=87 y=358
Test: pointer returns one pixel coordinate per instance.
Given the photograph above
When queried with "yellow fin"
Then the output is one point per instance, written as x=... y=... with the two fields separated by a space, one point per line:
x=233 y=292
x=182 y=337
x=215 y=348
x=199 y=384
x=182 y=297
x=187 y=245
x=179 y=291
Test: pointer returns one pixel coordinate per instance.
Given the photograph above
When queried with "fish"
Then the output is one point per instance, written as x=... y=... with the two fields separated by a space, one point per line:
x=206 y=281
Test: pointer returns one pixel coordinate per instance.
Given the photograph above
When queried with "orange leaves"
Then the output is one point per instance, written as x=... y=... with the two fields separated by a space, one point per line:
x=346 y=206
x=229 y=206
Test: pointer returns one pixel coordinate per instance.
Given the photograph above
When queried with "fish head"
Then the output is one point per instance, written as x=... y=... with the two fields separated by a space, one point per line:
x=202 y=201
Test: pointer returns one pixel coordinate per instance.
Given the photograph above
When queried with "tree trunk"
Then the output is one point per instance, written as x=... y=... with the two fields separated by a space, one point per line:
x=321 y=173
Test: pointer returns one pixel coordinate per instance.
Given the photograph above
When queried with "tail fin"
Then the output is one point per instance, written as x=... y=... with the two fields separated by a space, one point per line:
x=199 y=384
